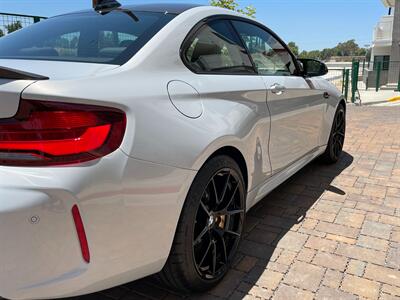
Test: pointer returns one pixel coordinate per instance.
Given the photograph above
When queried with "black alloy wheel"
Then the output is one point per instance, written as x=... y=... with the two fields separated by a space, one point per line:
x=218 y=224
x=209 y=229
x=334 y=148
x=338 y=134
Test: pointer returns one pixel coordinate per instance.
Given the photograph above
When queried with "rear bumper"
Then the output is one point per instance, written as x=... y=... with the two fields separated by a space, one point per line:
x=129 y=209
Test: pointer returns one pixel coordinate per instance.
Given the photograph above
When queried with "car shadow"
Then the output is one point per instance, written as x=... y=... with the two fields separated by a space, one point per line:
x=268 y=225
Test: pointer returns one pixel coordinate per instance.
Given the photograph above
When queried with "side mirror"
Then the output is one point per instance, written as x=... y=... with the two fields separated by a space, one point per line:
x=313 y=67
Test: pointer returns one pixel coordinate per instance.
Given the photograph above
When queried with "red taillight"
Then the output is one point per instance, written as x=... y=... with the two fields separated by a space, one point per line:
x=52 y=133
x=80 y=230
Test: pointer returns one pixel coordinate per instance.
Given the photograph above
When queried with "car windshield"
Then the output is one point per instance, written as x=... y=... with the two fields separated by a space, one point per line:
x=112 y=38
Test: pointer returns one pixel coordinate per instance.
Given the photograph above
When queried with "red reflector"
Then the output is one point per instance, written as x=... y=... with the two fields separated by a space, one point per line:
x=80 y=230
x=53 y=133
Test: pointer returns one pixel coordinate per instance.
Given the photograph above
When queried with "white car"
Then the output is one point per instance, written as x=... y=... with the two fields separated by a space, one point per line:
x=134 y=139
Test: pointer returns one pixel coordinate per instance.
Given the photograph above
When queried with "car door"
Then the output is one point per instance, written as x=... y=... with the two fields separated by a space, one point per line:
x=296 y=107
x=232 y=92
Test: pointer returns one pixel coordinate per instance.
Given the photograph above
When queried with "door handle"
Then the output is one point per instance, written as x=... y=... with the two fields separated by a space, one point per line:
x=278 y=89
x=326 y=95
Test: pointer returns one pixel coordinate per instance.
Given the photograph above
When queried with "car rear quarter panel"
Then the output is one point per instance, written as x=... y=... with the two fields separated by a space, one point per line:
x=156 y=130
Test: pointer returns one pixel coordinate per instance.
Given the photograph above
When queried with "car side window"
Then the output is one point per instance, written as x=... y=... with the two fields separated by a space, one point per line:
x=269 y=55
x=216 y=49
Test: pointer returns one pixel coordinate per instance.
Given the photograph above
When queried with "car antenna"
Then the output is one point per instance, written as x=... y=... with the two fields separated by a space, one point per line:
x=105 y=6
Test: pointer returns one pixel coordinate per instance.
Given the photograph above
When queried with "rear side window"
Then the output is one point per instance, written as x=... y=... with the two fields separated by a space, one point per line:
x=269 y=55
x=85 y=37
x=216 y=49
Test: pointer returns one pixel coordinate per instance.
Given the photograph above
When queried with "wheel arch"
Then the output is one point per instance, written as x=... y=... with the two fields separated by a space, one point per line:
x=343 y=102
x=237 y=156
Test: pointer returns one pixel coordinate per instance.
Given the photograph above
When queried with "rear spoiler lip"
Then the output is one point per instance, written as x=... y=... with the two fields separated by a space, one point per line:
x=8 y=73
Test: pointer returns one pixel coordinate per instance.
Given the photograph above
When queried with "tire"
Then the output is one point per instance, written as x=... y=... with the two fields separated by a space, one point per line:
x=208 y=234
x=334 y=148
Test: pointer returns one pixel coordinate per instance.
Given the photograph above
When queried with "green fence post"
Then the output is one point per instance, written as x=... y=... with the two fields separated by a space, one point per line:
x=398 y=84
x=378 y=75
x=346 y=84
x=343 y=78
x=354 y=80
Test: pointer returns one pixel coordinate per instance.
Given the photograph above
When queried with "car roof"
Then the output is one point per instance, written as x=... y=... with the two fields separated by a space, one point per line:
x=172 y=8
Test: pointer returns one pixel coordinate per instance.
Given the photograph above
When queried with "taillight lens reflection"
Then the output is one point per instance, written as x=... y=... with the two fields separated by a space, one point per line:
x=45 y=133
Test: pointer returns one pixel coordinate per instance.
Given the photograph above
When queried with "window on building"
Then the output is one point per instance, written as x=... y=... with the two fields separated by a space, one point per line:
x=384 y=60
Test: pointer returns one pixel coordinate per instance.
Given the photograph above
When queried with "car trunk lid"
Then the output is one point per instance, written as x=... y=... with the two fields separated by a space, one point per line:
x=57 y=70
x=10 y=91
x=17 y=75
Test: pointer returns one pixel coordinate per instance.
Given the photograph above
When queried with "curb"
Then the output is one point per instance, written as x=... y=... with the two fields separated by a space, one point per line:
x=394 y=99
x=371 y=103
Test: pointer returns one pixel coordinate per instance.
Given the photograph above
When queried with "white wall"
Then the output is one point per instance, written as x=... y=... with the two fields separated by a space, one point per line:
x=377 y=51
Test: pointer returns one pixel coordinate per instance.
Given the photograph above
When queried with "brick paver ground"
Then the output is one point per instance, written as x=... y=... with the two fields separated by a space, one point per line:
x=331 y=232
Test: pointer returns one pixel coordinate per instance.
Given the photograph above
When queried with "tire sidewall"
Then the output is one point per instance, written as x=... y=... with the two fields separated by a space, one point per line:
x=189 y=213
x=330 y=151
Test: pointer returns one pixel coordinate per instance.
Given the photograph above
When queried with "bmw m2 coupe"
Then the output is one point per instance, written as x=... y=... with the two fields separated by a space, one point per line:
x=133 y=139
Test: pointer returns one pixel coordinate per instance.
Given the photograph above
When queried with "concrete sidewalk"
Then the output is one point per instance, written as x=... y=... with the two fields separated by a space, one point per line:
x=371 y=97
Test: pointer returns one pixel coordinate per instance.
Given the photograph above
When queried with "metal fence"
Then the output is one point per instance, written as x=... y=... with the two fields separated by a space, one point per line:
x=382 y=74
x=12 y=22
x=347 y=79
x=336 y=76
x=363 y=75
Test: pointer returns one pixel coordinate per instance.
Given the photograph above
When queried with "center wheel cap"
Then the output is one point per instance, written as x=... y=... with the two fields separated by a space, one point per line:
x=211 y=221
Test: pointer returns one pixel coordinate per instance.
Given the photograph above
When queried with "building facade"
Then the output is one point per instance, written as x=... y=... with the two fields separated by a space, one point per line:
x=386 y=47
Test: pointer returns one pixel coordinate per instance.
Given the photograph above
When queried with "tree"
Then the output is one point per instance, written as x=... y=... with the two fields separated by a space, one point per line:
x=232 y=5
x=349 y=48
x=326 y=53
x=315 y=54
x=295 y=49
x=14 y=26
x=1 y=33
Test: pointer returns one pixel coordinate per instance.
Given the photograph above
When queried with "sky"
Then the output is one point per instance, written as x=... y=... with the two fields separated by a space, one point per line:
x=311 y=24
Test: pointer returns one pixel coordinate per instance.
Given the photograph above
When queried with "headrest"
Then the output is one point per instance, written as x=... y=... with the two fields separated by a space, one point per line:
x=205 y=49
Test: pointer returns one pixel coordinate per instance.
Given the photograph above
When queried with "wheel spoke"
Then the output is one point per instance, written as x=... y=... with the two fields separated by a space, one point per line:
x=205 y=254
x=340 y=144
x=234 y=212
x=214 y=263
x=225 y=189
x=336 y=124
x=340 y=134
x=220 y=234
x=225 y=211
x=200 y=236
x=335 y=144
x=232 y=197
x=338 y=147
x=204 y=207
x=232 y=233
x=215 y=190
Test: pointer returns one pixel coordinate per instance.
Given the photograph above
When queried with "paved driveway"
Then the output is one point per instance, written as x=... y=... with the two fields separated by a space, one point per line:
x=331 y=232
